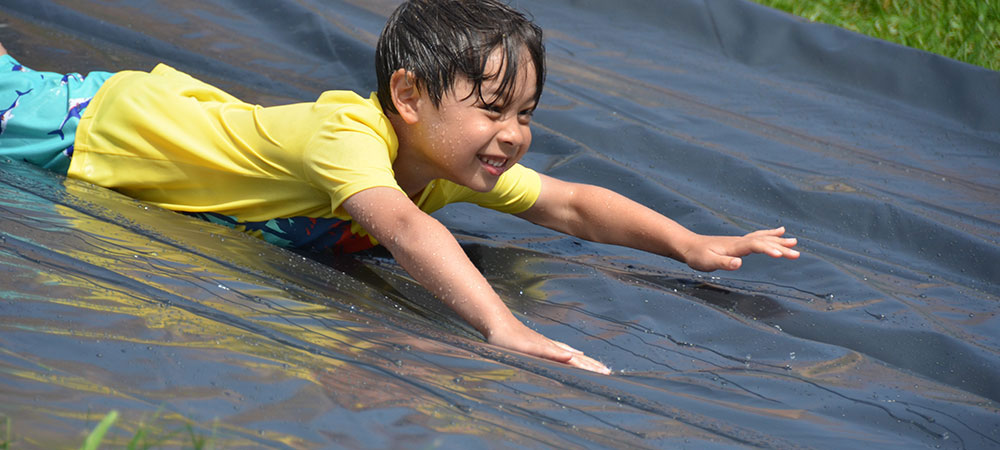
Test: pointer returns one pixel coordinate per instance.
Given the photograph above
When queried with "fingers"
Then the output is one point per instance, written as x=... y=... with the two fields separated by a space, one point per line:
x=560 y=352
x=568 y=348
x=726 y=252
x=770 y=242
x=776 y=250
x=772 y=232
x=557 y=353
x=563 y=353
x=782 y=248
x=786 y=252
x=578 y=359
x=585 y=362
x=581 y=361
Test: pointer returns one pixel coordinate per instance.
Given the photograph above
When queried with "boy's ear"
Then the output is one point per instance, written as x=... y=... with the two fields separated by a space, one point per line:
x=405 y=95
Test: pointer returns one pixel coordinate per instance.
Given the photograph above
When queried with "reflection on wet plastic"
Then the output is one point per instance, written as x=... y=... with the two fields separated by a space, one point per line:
x=112 y=304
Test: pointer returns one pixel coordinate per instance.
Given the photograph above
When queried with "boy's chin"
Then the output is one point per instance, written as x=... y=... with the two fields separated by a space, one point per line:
x=482 y=185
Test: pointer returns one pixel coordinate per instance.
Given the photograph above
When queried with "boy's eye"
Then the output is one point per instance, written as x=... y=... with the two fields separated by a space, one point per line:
x=493 y=109
x=498 y=111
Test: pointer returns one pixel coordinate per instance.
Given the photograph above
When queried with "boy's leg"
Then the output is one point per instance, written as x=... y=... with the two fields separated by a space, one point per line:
x=39 y=112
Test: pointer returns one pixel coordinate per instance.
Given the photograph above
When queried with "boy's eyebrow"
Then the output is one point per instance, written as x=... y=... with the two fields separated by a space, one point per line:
x=500 y=101
x=490 y=95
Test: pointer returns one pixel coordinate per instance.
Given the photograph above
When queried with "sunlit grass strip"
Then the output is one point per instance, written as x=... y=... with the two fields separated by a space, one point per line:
x=966 y=30
x=5 y=445
x=148 y=436
x=93 y=441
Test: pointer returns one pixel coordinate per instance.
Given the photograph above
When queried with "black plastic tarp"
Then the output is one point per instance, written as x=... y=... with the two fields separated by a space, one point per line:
x=726 y=116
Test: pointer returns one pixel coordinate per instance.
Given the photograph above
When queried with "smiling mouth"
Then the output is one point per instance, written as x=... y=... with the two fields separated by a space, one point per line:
x=493 y=165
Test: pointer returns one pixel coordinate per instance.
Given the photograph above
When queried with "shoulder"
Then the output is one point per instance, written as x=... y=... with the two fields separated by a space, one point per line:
x=347 y=111
x=348 y=104
x=353 y=149
x=353 y=124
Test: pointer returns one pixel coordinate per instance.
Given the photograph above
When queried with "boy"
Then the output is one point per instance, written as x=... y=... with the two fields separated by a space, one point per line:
x=458 y=81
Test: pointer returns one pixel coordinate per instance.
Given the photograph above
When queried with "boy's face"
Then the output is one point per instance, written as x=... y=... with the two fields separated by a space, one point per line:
x=471 y=143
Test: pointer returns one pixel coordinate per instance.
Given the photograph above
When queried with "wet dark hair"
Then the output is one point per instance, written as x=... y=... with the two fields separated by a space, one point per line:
x=440 y=40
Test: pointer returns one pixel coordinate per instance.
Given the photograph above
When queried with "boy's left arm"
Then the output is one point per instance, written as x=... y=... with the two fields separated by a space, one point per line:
x=600 y=215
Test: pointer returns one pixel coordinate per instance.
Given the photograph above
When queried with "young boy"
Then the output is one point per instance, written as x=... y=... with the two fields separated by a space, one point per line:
x=458 y=81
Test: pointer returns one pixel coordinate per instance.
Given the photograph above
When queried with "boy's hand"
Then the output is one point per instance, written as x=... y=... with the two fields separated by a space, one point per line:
x=600 y=215
x=708 y=253
x=429 y=253
x=525 y=340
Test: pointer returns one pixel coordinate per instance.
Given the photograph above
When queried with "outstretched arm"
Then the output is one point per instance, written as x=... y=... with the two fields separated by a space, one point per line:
x=432 y=256
x=600 y=215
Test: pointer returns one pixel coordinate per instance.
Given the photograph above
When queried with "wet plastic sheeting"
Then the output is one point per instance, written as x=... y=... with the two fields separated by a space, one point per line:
x=726 y=116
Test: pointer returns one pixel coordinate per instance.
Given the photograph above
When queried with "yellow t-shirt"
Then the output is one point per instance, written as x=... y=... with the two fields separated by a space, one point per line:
x=171 y=140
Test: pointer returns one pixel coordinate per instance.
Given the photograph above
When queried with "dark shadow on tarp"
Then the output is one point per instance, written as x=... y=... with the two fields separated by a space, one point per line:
x=724 y=115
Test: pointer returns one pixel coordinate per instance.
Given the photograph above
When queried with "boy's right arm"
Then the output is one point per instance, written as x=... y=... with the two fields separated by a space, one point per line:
x=432 y=256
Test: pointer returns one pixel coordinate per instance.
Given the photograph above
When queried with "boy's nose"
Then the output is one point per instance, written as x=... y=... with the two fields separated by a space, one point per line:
x=512 y=134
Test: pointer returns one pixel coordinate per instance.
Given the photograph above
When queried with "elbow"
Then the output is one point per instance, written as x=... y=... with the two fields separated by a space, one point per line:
x=391 y=218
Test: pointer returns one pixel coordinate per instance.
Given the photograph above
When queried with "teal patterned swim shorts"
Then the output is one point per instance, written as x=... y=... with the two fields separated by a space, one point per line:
x=39 y=112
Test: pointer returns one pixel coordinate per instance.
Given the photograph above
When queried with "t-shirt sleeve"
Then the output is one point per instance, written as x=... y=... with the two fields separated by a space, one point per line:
x=352 y=152
x=516 y=191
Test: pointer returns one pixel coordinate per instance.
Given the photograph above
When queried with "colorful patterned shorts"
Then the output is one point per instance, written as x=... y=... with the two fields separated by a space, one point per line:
x=39 y=112
x=305 y=233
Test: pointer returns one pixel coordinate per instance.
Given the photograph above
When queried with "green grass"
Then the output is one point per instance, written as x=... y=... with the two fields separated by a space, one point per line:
x=93 y=441
x=147 y=436
x=5 y=445
x=966 y=30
